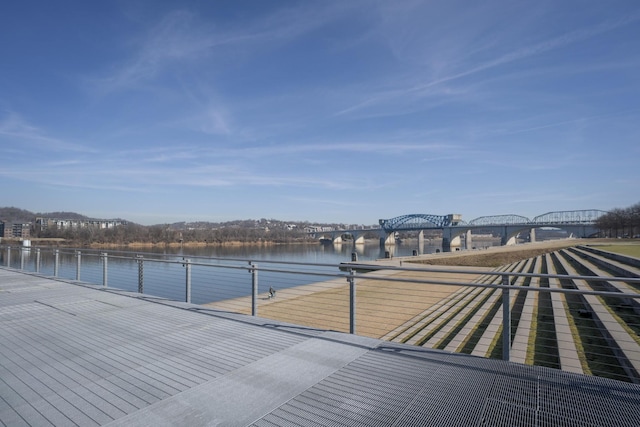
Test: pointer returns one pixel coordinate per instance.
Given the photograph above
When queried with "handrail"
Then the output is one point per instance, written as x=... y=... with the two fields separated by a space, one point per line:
x=348 y=274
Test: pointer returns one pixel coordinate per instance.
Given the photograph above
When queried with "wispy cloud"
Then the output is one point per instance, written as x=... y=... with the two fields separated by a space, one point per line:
x=208 y=121
x=19 y=131
x=173 y=39
x=181 y=36
x=579 y=120
x=358 y=147
x=324 y=201
x=428 y=88
x=240 y=152
x=138 y=172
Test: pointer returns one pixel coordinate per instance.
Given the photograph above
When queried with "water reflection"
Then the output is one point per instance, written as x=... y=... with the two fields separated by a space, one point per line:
x=218 y=279
x=315 y=253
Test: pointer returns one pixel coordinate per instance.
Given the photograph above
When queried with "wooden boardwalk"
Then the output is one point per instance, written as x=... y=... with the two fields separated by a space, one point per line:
x=75 y=354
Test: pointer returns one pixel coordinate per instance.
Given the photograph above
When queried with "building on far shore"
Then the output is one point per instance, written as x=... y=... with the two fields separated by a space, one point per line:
x=317 y=229
x=15 y=230
x=43 y=223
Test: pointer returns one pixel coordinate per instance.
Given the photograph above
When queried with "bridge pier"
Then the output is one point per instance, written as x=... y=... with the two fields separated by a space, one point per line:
x=507 y=241
x=532 y=235
x=446 y=240
x=389 y=239
x=450 y=240
x=468 y=242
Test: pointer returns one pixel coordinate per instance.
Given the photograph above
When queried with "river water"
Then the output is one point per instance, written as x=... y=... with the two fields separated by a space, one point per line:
x=218 y=272
x=312 y=253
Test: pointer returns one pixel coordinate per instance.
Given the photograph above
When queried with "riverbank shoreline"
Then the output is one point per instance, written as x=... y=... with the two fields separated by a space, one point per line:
x=60 y=242
x=384 y=305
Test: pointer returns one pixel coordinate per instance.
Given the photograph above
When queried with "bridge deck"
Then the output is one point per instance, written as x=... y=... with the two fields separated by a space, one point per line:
x=77 y=354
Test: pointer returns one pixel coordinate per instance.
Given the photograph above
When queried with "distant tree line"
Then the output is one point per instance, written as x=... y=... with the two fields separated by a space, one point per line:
x=159 y=234
x=620 y=222
x=244 y=231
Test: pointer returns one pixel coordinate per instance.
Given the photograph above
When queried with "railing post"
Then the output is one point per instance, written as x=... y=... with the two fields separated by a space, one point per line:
x=254 y=288
x=140 y=273
x=506 y=319
x=187 y=264
x=105 y=258
x=352 y=301
x=56 y=262
x=79 y=263
x=37 y=260
x=22 y=249
x=9 y=256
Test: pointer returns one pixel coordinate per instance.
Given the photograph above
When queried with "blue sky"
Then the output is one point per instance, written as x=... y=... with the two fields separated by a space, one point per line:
x=326 y=111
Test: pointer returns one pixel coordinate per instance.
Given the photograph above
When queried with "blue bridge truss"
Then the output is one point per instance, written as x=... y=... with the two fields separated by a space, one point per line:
x=428 y=221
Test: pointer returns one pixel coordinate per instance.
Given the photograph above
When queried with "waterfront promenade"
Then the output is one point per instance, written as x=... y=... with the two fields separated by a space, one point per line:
x=325 y=304
x=76 y=354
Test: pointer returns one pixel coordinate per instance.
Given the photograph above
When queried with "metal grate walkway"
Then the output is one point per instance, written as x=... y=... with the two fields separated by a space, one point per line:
x=75 y=354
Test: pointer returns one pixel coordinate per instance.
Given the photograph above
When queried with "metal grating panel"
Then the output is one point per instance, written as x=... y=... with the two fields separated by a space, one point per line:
x=514 y=390
x=442 y=397
x=549 y=420
x=502 y=414
x=89 y=357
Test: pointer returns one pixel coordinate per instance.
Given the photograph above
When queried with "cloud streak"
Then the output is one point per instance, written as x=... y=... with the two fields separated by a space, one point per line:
x=345 y=104
x=14 y=128
x=426 y=89
x=181 y=37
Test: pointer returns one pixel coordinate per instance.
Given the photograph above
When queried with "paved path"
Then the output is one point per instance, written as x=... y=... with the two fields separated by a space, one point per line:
x=73 y=354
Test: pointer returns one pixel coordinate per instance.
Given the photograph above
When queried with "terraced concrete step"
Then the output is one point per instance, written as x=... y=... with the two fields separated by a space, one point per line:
x=629 y=350
x=520 y=342
x=566 y=344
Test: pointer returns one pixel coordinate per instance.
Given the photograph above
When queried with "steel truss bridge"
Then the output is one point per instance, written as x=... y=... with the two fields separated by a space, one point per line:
x=580 y=223
x=549 y=219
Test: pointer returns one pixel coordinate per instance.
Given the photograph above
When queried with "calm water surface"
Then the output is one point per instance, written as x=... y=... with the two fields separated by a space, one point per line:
x=211 y=279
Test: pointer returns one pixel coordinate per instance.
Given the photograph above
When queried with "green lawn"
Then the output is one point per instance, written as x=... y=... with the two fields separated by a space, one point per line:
x=631 y=249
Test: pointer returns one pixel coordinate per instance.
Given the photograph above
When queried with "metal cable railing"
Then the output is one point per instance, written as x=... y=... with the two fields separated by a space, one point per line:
x=572 y=309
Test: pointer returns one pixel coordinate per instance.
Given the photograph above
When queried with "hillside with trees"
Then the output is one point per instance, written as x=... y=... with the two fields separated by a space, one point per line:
x=17 y=215
x=243 y=231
